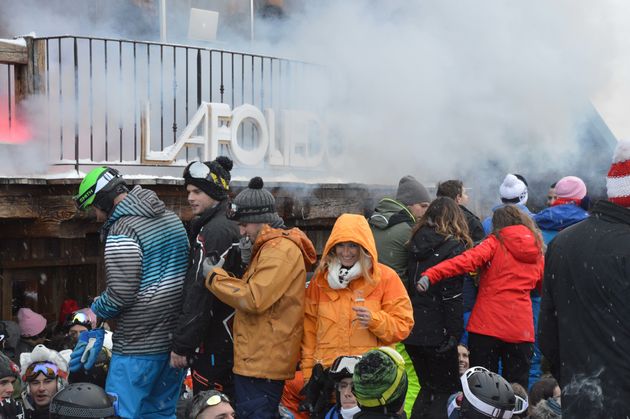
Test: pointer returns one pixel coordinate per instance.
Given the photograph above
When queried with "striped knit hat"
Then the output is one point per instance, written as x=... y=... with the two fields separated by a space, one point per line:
x=618 y=180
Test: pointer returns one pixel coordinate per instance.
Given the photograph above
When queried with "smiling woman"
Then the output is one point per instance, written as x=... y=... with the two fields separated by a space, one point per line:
x=353 y=303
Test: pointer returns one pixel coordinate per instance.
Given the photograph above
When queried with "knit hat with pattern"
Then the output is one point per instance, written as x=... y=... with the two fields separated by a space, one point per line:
x=380 y=380
x=618 y=180
x=513 y=190
x=254 y=205
x=214 y=181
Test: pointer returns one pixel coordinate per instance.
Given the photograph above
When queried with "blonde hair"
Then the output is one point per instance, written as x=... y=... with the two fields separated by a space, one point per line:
x=366 y=261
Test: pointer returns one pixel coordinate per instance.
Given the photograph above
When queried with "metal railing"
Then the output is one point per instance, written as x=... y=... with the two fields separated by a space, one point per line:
x=93 y=91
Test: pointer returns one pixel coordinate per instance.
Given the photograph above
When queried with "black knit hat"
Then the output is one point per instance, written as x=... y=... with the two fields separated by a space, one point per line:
x=213 y=180
x=254 y=204
x=8 y=368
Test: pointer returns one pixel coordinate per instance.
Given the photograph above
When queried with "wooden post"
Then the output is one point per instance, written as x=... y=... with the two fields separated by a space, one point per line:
x=29 y=77
x=7 y=295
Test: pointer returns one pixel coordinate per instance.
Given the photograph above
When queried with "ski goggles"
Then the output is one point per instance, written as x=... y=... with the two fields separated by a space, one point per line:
x=234 y=211
x=49 y=370
x=344 y=365
x=82 y=319
x=214 y=399
x=199 y=170
x=521 y=404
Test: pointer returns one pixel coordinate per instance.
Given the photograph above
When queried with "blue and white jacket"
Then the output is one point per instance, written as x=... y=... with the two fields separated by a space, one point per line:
x=553 y=219
x=146 y=256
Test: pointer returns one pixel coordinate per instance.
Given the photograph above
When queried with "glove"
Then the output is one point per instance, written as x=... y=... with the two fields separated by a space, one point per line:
x=87 y=349
x=210 y=262
x=317 y=391
x=10 y=408
x=245 y=246
x=75 y=356
x=447 y=345
x=93 y=348
x=422 y=284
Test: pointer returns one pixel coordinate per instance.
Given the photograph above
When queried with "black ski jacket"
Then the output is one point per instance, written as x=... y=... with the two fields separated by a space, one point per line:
x=438 y=313
x=584 y=319
x=201 y=321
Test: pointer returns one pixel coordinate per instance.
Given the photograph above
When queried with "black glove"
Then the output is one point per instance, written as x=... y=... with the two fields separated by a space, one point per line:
x=447 y=345
x=10 y=409
x=317 y=391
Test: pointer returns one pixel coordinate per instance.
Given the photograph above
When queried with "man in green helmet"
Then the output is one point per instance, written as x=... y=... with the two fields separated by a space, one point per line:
x=146 y=256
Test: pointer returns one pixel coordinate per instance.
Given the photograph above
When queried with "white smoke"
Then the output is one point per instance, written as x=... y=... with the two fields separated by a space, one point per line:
x=437 y=89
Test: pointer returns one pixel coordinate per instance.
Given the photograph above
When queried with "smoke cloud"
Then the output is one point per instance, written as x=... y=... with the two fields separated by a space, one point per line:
x=436 y=89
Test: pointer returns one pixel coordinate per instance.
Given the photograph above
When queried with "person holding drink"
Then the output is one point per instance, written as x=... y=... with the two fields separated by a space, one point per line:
x=353 y=303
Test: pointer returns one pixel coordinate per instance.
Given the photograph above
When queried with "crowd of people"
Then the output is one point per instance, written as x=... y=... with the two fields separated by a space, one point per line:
x=420 y=310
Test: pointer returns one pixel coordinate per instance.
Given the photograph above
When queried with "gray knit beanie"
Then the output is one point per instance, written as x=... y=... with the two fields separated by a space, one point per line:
x=254 y=205
x=8 y=368
x=410 y=191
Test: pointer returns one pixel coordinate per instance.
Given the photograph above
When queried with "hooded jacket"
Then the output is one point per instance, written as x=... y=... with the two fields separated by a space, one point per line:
x=146 y=256
x=512 y=268
x=330 y=328
x=269 y=303
x=556 y=218
x=391 y=226
x=583 y=327
x=202 y=315
x=438 y=312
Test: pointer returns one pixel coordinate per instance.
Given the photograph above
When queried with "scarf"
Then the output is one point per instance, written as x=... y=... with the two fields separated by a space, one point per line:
x=349 y=413
x=339 y=277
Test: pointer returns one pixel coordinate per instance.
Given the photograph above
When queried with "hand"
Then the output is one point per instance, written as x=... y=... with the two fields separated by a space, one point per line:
x=447 y=345
x=363 y=315
x=178 y=361
x=422 y=284
x=210 y=262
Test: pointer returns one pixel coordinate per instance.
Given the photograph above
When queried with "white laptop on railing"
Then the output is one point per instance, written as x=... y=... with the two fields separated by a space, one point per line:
x=203 y=25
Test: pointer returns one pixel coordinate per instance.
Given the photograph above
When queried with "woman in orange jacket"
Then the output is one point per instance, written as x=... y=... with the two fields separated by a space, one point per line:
x=353 y=303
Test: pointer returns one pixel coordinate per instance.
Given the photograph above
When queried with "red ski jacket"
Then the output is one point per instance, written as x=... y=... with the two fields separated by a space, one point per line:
x=511 y=269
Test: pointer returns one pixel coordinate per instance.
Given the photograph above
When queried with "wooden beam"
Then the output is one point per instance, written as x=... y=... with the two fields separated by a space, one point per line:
x=13 y=53
x=46 y=263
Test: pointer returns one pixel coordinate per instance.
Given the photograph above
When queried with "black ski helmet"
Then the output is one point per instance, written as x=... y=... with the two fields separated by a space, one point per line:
x=486 y=395
x=82 y=400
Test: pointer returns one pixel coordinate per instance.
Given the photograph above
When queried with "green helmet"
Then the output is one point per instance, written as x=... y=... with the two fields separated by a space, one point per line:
x=99 y=188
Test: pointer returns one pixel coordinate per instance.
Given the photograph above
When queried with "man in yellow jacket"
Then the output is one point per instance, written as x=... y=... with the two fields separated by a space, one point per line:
x=268 y=299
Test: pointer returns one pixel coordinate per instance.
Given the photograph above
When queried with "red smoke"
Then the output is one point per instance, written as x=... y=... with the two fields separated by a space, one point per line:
x=13 y=131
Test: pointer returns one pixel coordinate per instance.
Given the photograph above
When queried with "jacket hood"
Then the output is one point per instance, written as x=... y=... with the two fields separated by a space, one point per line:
x=425 y=241
x=389 y=212
x=521 y=243
x=138 y=202
x=296 y=235
x=352 y=228
x=560 y=217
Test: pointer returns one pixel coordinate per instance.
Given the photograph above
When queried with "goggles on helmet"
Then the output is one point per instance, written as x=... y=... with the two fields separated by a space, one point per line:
x=213 y=400
x=485 y=408
x=200 y=170
x=49 y=370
